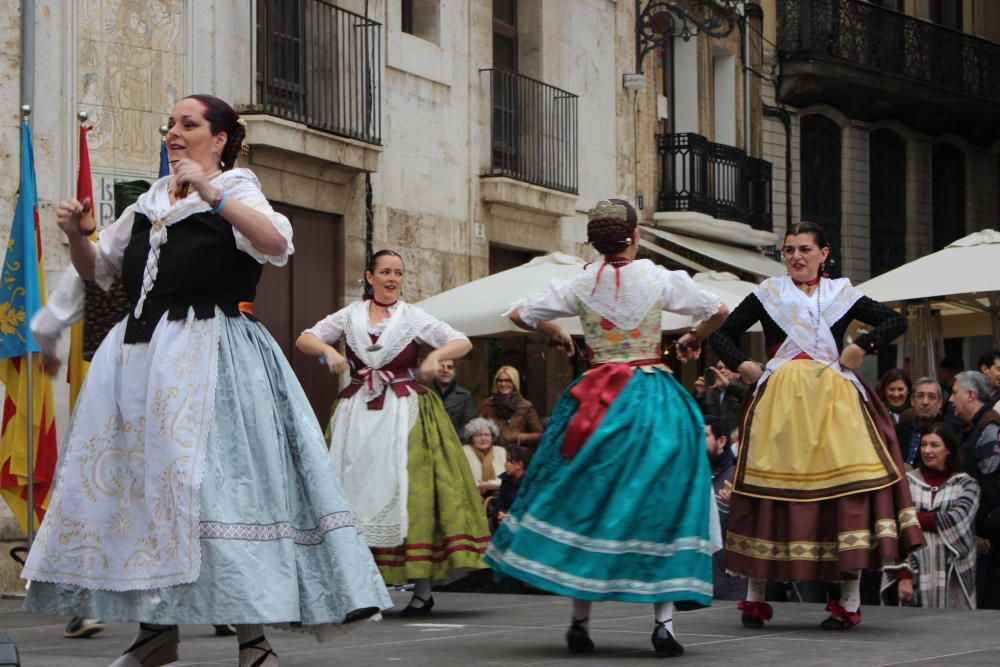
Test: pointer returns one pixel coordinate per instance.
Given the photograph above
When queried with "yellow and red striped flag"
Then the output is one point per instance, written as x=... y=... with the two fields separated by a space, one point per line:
x=22 y=293
x=76 y=367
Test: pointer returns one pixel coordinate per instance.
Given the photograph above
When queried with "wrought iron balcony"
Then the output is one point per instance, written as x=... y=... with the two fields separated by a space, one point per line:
x=533 y=131
x=717 y=180
x=319 y=65
x=877 y=62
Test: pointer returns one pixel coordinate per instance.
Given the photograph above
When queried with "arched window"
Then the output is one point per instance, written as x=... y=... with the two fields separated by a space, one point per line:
x=887 y=200
x=947 y=194
x=820 y=158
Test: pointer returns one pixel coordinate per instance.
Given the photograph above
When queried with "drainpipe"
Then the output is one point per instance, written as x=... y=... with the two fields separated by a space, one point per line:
x=786 y=119
x=369 y=199
x=747 y=106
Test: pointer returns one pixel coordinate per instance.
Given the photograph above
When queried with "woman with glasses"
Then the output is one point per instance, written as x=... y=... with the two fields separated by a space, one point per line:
x=512 y=413
x=617 y=503
x=818 y=493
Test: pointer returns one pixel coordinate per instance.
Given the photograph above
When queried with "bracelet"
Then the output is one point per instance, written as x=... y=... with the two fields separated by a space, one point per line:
x=221 y=205
x=216 y=199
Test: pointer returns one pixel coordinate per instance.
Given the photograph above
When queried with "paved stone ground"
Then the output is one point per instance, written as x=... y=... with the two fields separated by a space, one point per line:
x=519 y=630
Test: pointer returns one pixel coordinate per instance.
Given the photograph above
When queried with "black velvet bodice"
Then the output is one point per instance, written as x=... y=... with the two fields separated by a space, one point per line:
x=199 y=267
x=887 y=323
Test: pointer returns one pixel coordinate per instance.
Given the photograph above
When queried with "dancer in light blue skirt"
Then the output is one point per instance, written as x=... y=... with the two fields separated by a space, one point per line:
x=617 y=503
x=194 y=484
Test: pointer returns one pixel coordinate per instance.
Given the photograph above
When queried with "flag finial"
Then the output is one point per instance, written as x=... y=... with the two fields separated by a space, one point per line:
x=163 y=130
x=25 y=111
x=82 y=116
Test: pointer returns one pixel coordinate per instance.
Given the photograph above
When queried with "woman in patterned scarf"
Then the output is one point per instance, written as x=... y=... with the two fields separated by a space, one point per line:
x=942 y=575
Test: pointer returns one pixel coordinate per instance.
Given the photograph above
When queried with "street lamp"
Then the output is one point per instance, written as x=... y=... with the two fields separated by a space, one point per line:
x=660 y=21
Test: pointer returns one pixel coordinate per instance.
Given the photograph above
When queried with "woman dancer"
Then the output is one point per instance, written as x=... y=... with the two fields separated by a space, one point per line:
x=623 y=438
x=944 y=574
x=818 y=493
x=195 y=486
x=400 y=460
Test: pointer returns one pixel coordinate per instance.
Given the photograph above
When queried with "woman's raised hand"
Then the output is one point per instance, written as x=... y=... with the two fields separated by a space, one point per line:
x=69 y=212
x=852 y=356
x=750 y=372
x=189 y=172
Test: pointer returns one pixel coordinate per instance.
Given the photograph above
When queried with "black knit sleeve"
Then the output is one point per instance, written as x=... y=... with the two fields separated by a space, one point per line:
x=889 y=325
x=726 y=341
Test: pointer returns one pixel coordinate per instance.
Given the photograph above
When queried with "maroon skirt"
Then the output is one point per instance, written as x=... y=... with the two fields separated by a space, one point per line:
x=822 y=540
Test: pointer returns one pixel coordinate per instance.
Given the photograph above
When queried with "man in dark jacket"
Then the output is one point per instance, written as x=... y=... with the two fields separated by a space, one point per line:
x=457 y=400
x=720 y=456
x=723 y=397
x=981 y=458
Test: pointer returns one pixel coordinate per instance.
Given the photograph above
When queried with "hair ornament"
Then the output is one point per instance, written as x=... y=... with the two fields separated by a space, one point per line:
x=605 y=210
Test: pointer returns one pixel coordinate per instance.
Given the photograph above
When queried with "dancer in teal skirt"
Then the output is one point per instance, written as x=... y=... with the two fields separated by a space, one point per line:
x=617 y=503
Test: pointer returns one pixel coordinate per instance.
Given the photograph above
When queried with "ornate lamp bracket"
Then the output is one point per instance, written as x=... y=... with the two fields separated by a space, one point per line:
x=660 y=21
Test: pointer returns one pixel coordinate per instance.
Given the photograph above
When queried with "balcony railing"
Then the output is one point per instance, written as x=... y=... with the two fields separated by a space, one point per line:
x=717 y=180
x=886 y=41
x=319 y=65
x=533 y=131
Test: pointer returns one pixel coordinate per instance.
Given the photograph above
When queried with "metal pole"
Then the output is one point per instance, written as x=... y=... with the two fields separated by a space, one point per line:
x=747 y=106
x=25 y=113
x=27 y=53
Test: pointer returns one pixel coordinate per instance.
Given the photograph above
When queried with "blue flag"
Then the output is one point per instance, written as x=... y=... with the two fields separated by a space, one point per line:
x=164 y=165
x=20 y=291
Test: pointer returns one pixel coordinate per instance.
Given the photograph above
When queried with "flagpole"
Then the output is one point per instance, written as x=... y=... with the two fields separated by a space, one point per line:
x=25 y=115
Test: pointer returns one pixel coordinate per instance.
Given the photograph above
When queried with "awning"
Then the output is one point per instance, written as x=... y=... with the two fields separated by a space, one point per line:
x=741 y=259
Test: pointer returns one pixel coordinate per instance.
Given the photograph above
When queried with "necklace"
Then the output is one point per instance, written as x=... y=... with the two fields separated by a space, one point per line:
x=816 y=319
x=383 y=305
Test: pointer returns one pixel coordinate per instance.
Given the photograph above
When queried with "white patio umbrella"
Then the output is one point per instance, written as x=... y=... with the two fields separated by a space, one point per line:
x=476 y=308
x=962 y=278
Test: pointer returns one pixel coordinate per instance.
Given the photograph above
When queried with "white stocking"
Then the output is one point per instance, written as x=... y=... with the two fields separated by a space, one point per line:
x=581 y=612
x=248 y=656
x=155 y=651
x=850 y=593
x=422 y=590
x=664 y=612
x=756 y=589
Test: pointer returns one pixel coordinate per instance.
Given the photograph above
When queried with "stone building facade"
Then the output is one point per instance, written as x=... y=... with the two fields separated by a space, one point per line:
x=886 y=113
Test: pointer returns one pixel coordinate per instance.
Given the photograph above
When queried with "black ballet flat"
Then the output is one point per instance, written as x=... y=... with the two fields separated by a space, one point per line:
x=411 y=611
x=664 y=643
x=253 y=643
x=578 y=637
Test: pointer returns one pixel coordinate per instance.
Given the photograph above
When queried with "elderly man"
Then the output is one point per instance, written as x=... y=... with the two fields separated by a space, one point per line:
x=457 y=400
x=981 y=453
x=970 y=395
x=927 y=402
x=989 y=365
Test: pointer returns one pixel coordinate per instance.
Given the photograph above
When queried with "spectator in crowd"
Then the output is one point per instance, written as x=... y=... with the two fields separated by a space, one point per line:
x=981 y=459
x=723 y=397
x=518 y=459
x=457 y=400
x=971 y=393
x=927 y=402
x=989 y=365
x=485 y=458
x=894 y=389
x=723 y=464
x=513 y=414
x=943 y=574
